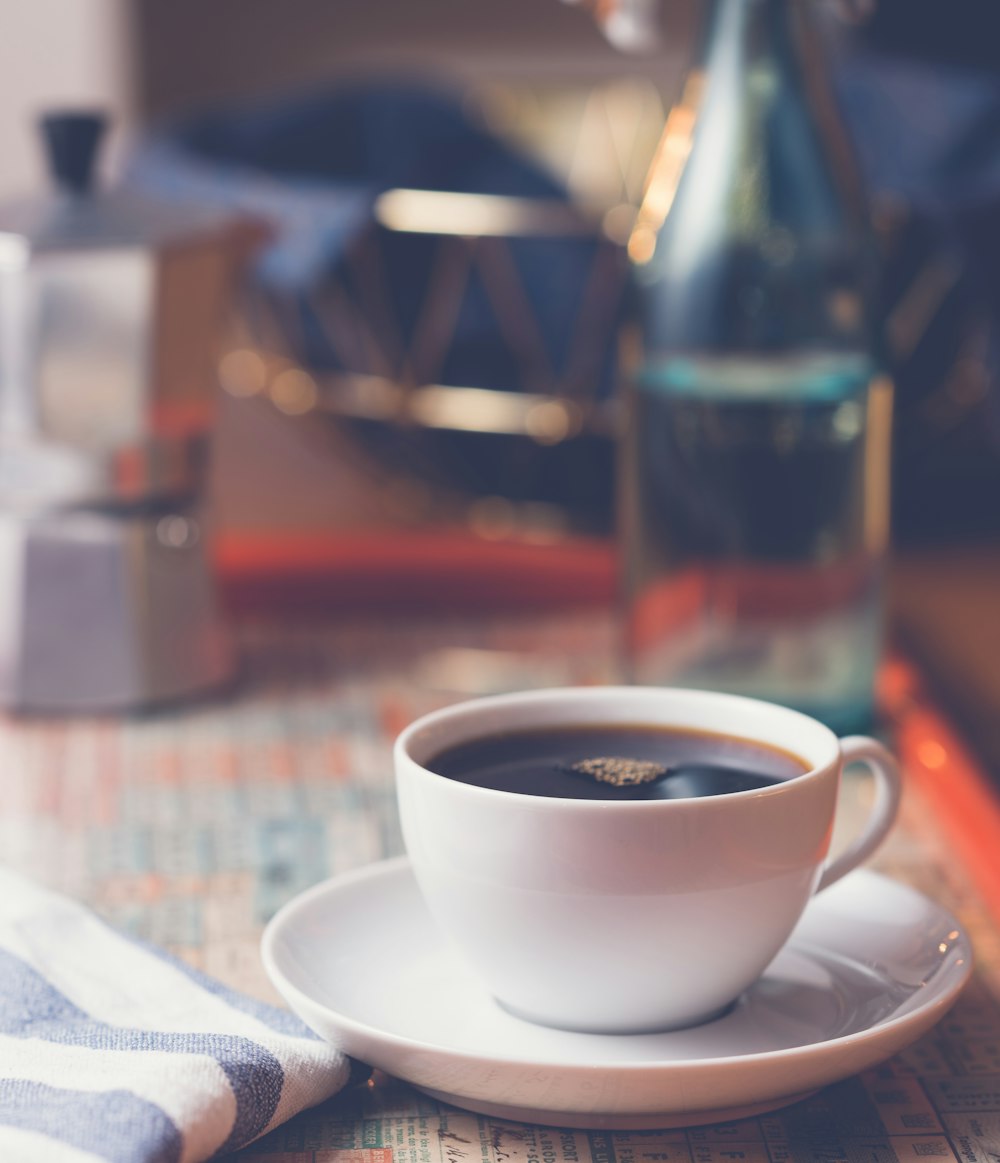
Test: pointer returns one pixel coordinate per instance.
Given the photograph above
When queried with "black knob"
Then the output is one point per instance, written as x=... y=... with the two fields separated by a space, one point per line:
x=71 y=140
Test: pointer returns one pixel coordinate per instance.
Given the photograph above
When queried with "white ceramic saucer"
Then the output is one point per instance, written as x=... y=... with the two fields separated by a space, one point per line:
x=872 y=965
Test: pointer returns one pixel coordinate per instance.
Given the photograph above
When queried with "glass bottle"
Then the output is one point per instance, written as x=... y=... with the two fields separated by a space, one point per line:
x=755 y=455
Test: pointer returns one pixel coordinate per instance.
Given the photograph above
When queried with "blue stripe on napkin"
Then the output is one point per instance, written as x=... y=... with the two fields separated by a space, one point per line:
x=113 y=1124
x=31 y=1008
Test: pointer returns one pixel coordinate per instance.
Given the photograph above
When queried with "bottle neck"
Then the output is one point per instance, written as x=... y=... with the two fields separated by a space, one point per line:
x=764 y=245
x=754 y=29
x=753 y=51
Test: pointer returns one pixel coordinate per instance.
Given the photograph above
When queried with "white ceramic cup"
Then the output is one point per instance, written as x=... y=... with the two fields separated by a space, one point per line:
x=615 y=916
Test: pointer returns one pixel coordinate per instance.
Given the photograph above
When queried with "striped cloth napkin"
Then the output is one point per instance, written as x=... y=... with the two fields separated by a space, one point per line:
x=111 y=1050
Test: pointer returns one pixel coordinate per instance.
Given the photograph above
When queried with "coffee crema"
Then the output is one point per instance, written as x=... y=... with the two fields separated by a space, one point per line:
x=565 y=762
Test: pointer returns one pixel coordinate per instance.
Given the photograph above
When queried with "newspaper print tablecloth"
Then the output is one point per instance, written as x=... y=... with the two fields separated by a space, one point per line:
x=191 y=826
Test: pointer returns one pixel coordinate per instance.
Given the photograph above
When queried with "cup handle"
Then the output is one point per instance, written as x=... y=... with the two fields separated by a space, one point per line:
x=885 y=772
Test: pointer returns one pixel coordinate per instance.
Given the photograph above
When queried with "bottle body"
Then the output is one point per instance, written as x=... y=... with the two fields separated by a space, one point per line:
x=754 y=460
x=755 y=527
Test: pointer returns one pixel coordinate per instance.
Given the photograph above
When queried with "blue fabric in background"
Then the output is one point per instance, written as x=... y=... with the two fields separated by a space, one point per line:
x=379 y=133
x=313 y=166
x=928 y=137
x=533 y=314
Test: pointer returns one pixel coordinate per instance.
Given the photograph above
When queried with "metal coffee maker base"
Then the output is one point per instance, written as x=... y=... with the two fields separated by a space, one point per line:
x=101 y=612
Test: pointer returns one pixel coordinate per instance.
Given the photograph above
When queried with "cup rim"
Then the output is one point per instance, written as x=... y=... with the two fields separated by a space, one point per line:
x=472 y=709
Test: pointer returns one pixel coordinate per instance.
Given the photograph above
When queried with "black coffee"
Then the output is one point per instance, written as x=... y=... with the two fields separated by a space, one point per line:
x=582 y=763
